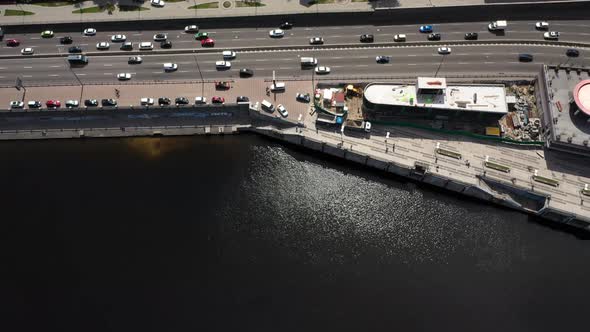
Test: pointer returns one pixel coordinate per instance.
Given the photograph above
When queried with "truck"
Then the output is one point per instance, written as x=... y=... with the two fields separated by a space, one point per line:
x=497 y=25
x=78 y=59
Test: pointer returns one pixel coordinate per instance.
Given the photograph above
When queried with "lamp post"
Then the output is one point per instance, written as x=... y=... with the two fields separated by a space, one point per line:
x=78 y=79
x=386 y=138
x=200 y=74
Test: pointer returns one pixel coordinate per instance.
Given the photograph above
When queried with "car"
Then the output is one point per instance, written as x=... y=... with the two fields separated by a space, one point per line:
x=434 y=36
x=17 y=104
x=303 y=97
x=246 y=72
x=166 y=44
x=163 y=101
x=191 y=28
x=52 y=103
x=27 y=51
x=444 y=50
x=276 y=33
x=316 y=41
x=108 y=102
x=181 y=101
x=34 y=104
x=160 y=36
x=66 y=40
x=572 y=52
x=399 y=38
x=118 y=38
x=146 y=46
x=471 y=36
x=222 y=64
x=242 y=99
x=201 y=35
x=47 y=34
x=146 y=101
x=282 y=110
x=542 y=25
x=223 y=85
x=102 y=46
x=134 y=60
x=286 y=26
x=124 y=76
x=200 y=100
x=72 y=103
x=382 y=59
x=12 y=42
x=126 y=46
x=367 y=38
x=322 y=70
x=90 y=102
x=89 y=32
x=228 y=55
x=170 y=67
x=75 y=49
x=278 y=87
x=426 y=28
x=523 y=57
x=551 y=35
x=217 y=100
x=209 y=42
x=158 y=3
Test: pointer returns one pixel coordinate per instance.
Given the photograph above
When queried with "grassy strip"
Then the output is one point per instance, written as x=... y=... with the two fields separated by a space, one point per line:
x=130 y=8
x=497 y=167
x=16 y=12
x=449 y=153
x=545 y=180
x=205 y=5
x=89 y=10
x=249 y=4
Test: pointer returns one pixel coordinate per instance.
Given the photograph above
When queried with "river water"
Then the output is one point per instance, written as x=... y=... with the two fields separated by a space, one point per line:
x=242 y=233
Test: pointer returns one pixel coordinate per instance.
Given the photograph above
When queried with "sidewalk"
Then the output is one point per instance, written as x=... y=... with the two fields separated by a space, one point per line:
x=204 y=8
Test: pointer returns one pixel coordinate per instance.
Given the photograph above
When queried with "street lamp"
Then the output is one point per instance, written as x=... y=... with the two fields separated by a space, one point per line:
x=386 y=137
x=77 y=78
x=201 y=74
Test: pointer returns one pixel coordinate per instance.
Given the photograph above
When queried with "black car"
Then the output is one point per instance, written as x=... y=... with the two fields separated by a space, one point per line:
x=90 y=102
x=128 y=46
x=75 y=49
x=383 y=59
x=181 y=101
x=66 y=40
x=242 y=99
x=108 y=102
x=572 y=52
x=434 y=36
x=286 y=26
x=303 y=97
x=245 y=72
x=471 y=36
x=166 y=44
x=367 y=38
x=525 y=57
x=163 y=101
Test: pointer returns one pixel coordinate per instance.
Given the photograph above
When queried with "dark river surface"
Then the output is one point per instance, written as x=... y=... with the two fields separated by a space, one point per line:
x=241 y=233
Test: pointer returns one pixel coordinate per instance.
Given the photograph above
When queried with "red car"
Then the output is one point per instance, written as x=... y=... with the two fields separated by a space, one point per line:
x=209 y=42
x=13 y=42
x=217 y=100
x=222 y=85
x=53 y=103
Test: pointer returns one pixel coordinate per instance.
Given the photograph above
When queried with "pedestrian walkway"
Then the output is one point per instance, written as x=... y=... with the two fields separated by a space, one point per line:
x=100 y=10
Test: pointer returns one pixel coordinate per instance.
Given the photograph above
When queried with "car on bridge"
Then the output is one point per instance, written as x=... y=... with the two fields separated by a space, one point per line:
x=223 y=85
x=201 y=35
x=217 y=100
x=16 y=104
x=158 y=3
x=399 y=38
x=200 y=100
x=322 y=70
x=228 y=55
x=542 y=25
x=118 y=38
x=66 y=40
x=524 y=57
x=242 y=99
x=124 y=76
x=134 y=60
x=191 y=28
x=367 y=38
x=47 y=34
x=34 y=104
x=12 y=42
x=75 y=49
x=444 y=50
x=181 y=101
x=222 y=64
x=276 y=33
x=471 y=36
x=168 y=67
x=126 y=46
x=108 y=102
x=102 y=46
x=90 y=102
x=286 y=25
x=246 y=72
x=160 y=36
x=166 y=44
x=209 y=42
x=146 y=101
x=52 y=103
x=572 y=52
x=27 y=51
x=72 y=103
x=434 y=36
x=303 y=97
x=89 y=32
x=282 y=110
x=382 y=59
x=316 y=41
x=426 y=28
x=162 y=101
x=551 y=35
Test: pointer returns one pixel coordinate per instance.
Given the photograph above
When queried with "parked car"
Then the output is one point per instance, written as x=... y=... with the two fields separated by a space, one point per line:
x=52 y=103
x=276 y=33
x=109 y=102
x=191 y=28
x=168 y=67
x=34 y=104
x=163 y=101
x=316 y=41
x=209 y=42
x=572 y=52
x=434 y=36
x=90 y=102
x=66 y=40
x=181 y=101
x=89 y=32
x=444 y=50
x=303 y=97
x=200 y=100
x=126 y=46
x=367 y=38
x=166 y=44
x=134 y=60
x=16 y=104
x=223 y=85
x=471 y=36
x=426 y=28
x=72 y=103
x=282 y=110
x=75 y=49
x=246 y=72
x=12 y=42
x=242 y=99
x=146 y=101
x=217 y=100
x=118 y=38
x=382 y=59
x=124 y=76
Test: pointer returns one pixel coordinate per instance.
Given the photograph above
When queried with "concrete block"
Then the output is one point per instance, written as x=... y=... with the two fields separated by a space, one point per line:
x=378 y=164
x=398 y=170
x=455 y=186
x=478 y=193
x=356 y=157
x=435 y=180
x=295 y=139
x=334 y=151
x=311 y=144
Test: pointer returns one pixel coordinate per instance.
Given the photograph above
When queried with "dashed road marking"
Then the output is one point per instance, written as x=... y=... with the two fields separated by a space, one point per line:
x=53 y=75
x=26 y=67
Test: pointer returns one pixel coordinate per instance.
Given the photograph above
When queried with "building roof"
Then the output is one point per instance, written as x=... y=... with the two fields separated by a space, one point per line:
x=582 y=96
x=432 y=83
x=339 y=97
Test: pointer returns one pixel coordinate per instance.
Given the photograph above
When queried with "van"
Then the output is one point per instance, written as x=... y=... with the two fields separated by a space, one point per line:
x=308 y=62
x=278 y=86
x=399 y=38
x=267 y=106
x=146 y=46
x=78 y=59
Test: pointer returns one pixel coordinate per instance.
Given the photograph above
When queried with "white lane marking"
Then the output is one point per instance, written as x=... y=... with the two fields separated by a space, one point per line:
x=236 y=31
x=260 y=38
x=1 y=76
x=53 y=75
x=34 y=38
x=208 y=70
x=108 y=73
x=2 y=67
x=362 y=66
x=185 y=63
x=107 y=65
x=156 y=72
x=55 y=66
x=488 y=62
x=81 y=74
x=137 y=34
x=462 y=63
x=285 y=68
x=27 y=75
x=28 y=67
x=412 y=55
x=83 y=44
x=184 y=71
x=412 y=64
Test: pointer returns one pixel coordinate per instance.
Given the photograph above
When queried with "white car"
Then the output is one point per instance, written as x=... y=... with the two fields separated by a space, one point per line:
x=158 y=3
x=444 y=50
x=542 y=25
x=229 y=55
x=146 y=46
x=102 y=46
x=223 y=64
x=123 y=76
x=118 y=38
x=316 y=41
x=191 y=28
x=551 y=35
x=200 y=100
x=160 y=37
x=72 y=103
x=282 y=110
x=89 y=32
x=170 y=66
x=27 y=51
x=146 y=101
x=276 y=33
x=16 y=104
x=322 y=70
